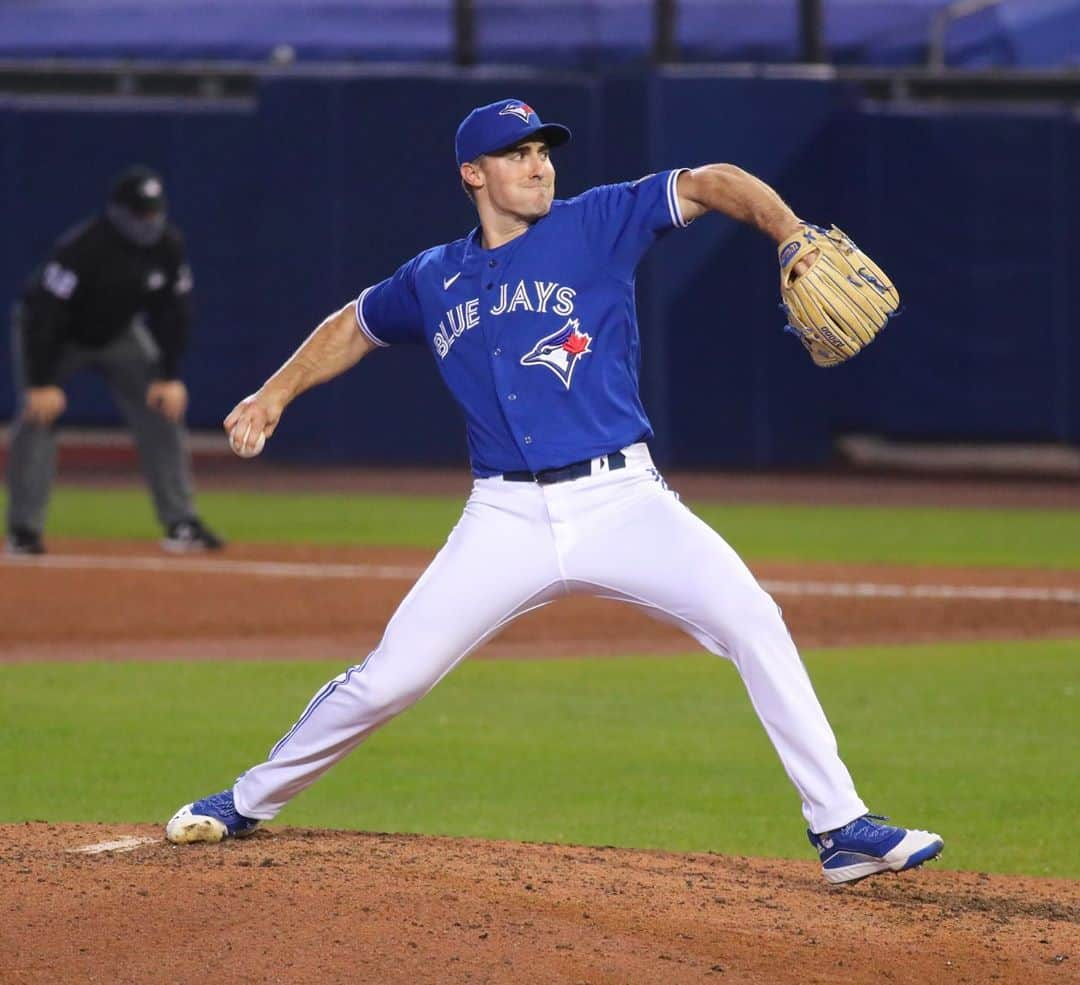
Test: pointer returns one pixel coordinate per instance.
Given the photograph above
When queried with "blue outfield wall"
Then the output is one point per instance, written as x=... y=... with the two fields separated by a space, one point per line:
x=294 y=203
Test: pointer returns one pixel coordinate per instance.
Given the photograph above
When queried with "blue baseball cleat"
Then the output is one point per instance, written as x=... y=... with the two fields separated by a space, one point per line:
x=865 y=847
x=212 y=819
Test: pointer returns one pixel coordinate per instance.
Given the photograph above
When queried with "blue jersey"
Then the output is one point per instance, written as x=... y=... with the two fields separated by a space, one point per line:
x=537 y=339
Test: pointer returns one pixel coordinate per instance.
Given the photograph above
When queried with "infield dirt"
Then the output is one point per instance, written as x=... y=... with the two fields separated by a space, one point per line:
x=101 y=609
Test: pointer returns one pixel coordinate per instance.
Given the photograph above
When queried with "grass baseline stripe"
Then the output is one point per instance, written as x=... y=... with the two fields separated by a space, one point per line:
x=385 y=572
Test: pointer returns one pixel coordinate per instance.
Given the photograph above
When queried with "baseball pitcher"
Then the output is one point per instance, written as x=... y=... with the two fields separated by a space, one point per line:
x=531 y=321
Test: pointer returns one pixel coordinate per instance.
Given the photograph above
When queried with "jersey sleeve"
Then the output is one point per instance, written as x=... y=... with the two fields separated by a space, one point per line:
x=624 y=220
x=389 y=312
x=46 y=312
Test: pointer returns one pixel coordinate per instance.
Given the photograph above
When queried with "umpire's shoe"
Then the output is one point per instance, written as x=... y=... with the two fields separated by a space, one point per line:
x=189 y=536
x=212 y=819
x=20 y=540
x=865 y=847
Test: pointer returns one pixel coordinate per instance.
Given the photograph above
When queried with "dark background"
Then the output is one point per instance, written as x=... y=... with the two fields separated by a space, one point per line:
x=318 y=181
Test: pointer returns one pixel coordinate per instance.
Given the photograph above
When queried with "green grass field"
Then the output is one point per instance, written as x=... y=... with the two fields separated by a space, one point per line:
x=976 y=741
x=923 y=535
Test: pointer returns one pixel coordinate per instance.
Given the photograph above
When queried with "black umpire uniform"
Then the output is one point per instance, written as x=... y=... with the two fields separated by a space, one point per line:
x=112 y=297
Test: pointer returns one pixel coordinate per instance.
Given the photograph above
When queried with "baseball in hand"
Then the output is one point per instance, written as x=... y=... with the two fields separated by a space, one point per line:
x=236 y=441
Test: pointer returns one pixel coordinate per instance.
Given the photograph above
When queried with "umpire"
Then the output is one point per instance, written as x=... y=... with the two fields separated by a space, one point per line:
x=112 y=297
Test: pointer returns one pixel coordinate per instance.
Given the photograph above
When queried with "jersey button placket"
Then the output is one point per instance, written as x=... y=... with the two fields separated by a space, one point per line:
x=497 y=351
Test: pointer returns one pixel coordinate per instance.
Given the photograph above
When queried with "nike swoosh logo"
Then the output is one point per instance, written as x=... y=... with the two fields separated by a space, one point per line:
x=447 y=281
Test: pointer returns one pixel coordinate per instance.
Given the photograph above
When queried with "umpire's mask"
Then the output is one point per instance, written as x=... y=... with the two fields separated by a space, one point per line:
x=137 y=206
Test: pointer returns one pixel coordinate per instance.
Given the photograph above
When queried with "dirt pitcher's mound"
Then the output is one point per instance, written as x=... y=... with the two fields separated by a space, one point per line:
x=289 y=905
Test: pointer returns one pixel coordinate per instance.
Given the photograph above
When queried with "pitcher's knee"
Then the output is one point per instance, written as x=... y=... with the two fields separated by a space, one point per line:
x=388 y=694
x=756 y=615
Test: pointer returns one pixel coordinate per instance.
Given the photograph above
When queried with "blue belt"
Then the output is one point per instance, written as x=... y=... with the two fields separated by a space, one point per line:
x=575 y=470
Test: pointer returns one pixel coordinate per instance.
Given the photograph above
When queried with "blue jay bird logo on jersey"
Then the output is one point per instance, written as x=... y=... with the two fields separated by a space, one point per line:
x=560 y=351
x=521 y=110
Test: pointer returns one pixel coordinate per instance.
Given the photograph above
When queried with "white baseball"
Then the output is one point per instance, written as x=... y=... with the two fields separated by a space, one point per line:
x=237 y=442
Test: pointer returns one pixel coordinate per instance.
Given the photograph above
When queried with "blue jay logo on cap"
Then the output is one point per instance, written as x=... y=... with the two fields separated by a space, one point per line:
x=489 y=128
x=521 y=110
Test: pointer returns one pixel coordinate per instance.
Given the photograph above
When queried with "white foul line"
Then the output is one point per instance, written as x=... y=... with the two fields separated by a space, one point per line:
x=388 y=572
x=979 y=593
x=217 y=566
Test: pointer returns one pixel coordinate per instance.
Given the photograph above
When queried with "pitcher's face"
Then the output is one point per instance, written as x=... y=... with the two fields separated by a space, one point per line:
x=518 y=181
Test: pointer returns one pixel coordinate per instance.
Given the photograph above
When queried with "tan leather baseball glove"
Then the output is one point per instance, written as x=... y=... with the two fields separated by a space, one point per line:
x=839 y=305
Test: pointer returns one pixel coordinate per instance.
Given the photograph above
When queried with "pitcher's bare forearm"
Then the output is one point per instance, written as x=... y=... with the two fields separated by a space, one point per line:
x=733 y=192
x=335 y=346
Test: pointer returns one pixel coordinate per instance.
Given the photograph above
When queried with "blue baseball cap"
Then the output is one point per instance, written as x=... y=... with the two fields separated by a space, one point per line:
x=501 y=124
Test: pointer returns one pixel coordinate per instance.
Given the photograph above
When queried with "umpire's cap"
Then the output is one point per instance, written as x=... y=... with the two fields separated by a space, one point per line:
x=502 y=124
x=140 y=190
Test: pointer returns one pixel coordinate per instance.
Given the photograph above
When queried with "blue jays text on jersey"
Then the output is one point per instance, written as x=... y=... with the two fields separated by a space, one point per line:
x=537 y=340
x=466 y=314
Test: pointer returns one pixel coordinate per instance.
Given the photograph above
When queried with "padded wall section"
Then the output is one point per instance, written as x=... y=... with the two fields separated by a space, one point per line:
x=325 y=185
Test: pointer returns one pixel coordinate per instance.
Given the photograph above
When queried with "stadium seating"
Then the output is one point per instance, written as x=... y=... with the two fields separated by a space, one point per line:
x=563 y=33
x=409 y=30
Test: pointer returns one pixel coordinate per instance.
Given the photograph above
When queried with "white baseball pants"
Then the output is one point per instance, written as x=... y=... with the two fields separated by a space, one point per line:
x=519 y=545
